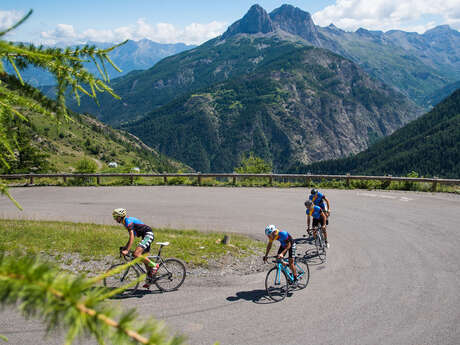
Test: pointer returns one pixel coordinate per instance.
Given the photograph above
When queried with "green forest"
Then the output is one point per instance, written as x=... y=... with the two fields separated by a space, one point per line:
x=429 y=146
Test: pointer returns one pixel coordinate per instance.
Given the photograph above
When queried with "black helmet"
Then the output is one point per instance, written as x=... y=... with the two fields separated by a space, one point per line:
x=314 y=191
x=308 y=203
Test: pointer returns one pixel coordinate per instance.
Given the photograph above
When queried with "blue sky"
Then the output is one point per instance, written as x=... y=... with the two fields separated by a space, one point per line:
x=194 y=22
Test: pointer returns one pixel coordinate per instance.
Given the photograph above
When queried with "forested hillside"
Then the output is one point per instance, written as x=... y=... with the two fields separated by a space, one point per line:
x=429 y=146
x=300 y=105
x=44 y=144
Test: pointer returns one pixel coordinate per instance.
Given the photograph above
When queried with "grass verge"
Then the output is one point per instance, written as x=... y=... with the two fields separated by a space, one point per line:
x=97 y=241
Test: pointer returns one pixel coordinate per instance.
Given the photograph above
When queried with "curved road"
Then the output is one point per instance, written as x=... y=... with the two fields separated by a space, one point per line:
x=392 y=277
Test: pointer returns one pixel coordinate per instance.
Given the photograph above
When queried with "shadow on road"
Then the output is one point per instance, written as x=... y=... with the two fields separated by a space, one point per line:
x=136 y=294
x=256 y=296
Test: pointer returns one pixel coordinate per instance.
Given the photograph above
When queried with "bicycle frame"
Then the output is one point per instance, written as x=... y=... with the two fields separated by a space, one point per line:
x=286 y=269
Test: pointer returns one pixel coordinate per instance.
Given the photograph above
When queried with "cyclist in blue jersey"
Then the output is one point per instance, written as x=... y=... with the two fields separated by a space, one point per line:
x=287 y=245
x=319 y=199
x=136 y=228
x=319 y=218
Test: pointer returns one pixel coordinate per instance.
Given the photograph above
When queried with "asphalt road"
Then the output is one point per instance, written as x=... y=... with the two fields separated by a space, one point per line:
x=392 y=276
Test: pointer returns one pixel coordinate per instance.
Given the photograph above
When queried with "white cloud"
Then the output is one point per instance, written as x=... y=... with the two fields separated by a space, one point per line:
x=409 y=15
x=194 y=33
x=9 y=18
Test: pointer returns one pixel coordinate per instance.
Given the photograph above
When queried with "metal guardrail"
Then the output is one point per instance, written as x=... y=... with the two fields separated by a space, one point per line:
x=199 y=176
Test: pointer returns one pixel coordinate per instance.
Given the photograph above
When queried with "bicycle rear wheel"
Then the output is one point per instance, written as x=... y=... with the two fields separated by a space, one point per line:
x=276 y=284
x=170 y=275
x=128 y=277
x=303 y=273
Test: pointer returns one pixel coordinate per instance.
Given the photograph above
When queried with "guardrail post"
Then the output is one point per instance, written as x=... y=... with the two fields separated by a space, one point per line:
x=234 y=180
x=64 y=179
x=270 y=180
x=199 y=179
x=98 y=180
x=31 y=180
x=165 y=179
x=131 y=179
x=347 y=183
x=434 y=185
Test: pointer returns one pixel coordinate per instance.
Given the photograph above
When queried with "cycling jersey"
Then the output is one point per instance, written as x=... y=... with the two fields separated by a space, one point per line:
x=139 y=228
x=283 y=237
x=317 y=198
x=314 y=211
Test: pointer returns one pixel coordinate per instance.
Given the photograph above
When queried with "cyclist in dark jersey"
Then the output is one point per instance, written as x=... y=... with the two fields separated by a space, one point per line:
x=319 y=199
x=136 y=229
x=286 y=244
x=319 y=218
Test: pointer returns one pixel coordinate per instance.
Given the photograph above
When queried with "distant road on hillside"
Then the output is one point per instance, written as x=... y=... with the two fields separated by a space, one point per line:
x=392 y=276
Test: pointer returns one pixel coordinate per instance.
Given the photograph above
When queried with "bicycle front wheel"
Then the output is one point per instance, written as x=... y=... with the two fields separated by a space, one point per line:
x=170 y=275
x=128 y=277
x=276 y=284
x=303 y=273
x=320 y=246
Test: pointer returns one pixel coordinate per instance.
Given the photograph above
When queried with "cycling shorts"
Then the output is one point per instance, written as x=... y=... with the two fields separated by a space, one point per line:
x=291 y=250
x=317 y=221
x=146 y=241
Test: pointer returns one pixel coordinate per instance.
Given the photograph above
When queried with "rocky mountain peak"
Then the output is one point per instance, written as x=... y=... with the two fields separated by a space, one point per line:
x=256 y=20
x=295 y=21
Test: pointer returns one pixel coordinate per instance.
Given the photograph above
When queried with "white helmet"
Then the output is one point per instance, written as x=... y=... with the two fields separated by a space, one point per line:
x=270 y=229
x=119 y=212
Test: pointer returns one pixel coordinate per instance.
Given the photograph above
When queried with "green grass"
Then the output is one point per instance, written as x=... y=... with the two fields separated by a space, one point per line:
x=98 y=241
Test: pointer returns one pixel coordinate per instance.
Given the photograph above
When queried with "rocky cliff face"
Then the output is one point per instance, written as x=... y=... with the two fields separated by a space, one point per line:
x=255 y=21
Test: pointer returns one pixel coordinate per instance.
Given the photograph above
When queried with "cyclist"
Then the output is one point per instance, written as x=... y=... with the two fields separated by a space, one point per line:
x=319 y=199
x=319 y=217
x=286 y=245
x=136 y=228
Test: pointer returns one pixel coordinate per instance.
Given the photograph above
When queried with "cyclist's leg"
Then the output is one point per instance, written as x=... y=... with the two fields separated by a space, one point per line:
x=291 y=260
x=144 y=247
x=315 y=224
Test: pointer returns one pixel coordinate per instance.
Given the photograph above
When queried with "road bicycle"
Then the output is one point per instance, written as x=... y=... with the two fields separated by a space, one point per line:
x=169 y=273
x=320 y=242
x=280 y=279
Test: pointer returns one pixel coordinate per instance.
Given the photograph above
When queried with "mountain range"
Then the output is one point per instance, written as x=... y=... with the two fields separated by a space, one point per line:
x=133 y=55
x=280 y=86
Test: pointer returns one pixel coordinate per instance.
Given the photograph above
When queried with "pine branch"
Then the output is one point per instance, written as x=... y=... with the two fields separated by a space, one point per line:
x=73 y=302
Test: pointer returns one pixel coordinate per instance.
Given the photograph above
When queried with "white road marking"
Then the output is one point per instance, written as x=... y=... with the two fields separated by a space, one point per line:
x=384 y=196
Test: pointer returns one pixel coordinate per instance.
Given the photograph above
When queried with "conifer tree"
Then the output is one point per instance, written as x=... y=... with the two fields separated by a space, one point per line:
x=38 y=288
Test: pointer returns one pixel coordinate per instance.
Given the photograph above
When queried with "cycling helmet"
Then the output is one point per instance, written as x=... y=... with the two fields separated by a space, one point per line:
x=270 y=229
x=308 y=203
x=314 y=191
x=119 y=212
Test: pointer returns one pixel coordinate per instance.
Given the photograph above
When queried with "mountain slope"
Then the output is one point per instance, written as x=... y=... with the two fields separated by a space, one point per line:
x=414 y=64
x=299 y=105
x=429 y=145
x=45 y=144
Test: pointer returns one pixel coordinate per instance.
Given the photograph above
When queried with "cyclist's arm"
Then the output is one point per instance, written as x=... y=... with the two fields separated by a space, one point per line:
x=328 y=205
x=269 y=246
x=130 y=240
x=308 y=221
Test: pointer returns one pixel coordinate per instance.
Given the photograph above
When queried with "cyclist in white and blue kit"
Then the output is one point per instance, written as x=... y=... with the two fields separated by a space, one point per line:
x=287 y=245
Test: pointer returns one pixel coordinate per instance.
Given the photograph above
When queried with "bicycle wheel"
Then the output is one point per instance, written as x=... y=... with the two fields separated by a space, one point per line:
x=123 y=278
x=276 y=284
x=170 y=275
x=303 y=273
x=320 y=246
